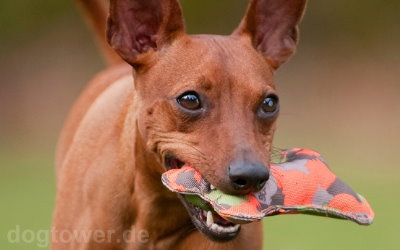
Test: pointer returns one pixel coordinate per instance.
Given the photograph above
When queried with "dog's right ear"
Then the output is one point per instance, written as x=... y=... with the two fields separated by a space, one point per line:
x=272 y=26
x=138 y=29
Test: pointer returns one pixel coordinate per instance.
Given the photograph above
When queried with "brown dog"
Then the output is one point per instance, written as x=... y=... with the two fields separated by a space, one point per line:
x=204 y=100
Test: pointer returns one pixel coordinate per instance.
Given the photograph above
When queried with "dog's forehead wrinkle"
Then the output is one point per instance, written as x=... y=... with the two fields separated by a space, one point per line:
x=222 y=51
x=232 y=51
x=211 y=63
x=236 y=69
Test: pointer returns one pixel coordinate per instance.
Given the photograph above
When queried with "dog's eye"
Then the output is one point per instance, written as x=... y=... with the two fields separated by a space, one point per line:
x=270 y=104
x=189 y=100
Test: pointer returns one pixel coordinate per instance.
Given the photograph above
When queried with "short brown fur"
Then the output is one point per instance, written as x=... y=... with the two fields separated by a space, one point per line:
x=113 y=146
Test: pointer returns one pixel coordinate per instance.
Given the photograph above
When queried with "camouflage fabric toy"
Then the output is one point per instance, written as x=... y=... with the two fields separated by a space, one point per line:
x=300 y=182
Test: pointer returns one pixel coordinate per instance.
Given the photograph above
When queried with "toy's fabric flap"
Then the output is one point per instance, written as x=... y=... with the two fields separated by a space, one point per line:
x=300 y=182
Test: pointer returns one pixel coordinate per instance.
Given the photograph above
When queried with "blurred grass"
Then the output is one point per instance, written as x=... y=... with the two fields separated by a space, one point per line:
x=27 y=191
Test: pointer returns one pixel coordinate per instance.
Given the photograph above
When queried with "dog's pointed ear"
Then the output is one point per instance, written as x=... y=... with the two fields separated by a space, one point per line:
x=272 y=27
x=138 y=29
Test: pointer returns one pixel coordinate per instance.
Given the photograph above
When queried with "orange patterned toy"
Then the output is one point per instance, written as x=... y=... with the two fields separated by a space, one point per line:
x=300 y=182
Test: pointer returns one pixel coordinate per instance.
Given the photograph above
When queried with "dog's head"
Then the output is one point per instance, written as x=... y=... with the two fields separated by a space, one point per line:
x=206 y=100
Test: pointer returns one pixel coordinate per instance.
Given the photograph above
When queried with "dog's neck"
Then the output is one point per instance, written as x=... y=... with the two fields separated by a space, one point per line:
x=153 y=208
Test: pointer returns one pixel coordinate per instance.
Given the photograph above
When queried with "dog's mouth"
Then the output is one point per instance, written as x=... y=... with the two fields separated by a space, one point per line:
x=172 y=162
x=205 y=219
x=210 y=223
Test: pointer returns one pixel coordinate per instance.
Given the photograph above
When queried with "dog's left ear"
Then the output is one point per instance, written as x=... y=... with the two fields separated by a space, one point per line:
x=138 y=29
x=272 y=26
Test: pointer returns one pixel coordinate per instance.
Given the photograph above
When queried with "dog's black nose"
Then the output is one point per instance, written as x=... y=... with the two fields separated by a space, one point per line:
x=248 y=177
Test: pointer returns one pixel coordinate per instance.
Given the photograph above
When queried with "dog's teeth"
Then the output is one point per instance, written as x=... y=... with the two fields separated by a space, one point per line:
x=210 y=219
x=212 y=187
x=220 y=229
x=214 y=227
x=227 y=230
x=234 y=228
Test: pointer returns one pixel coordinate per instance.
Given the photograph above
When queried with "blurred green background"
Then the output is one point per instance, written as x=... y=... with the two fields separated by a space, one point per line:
x=340 y=95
